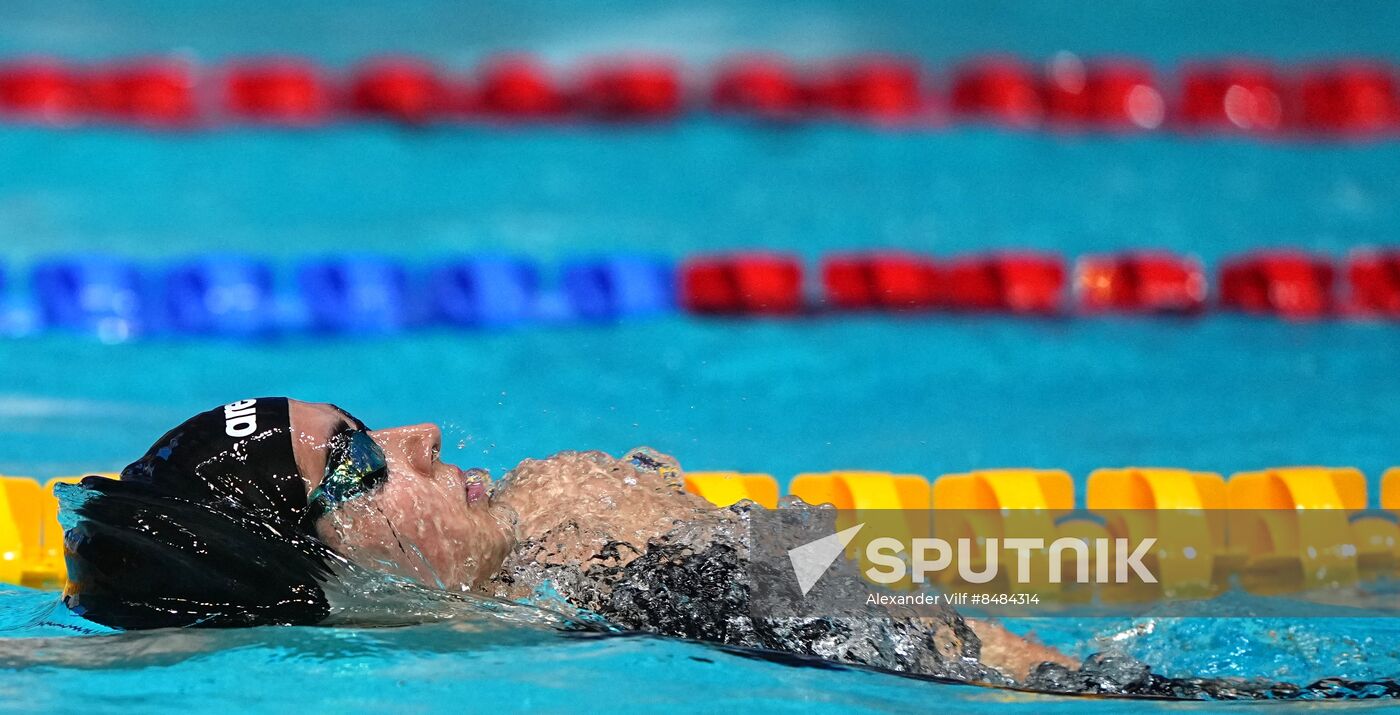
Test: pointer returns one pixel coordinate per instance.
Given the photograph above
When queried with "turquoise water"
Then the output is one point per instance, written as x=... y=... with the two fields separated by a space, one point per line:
x=433 y=668
x=925 y=394
x=920 y=394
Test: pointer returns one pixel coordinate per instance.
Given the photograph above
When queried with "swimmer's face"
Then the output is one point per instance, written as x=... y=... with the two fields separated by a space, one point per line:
x=424 y=519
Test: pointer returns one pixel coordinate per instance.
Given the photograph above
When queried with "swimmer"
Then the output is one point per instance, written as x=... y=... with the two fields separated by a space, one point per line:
x=247 y=514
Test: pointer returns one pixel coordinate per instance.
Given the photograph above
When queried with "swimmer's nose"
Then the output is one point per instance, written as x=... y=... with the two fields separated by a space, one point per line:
x=416 y=446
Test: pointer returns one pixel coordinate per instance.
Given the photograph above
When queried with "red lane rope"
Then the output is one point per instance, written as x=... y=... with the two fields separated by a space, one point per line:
x=1344 y=98
x=1287 y=283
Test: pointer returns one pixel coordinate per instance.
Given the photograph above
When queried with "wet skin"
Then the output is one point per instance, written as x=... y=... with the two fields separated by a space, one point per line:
x=437 y=524
x=427 y=521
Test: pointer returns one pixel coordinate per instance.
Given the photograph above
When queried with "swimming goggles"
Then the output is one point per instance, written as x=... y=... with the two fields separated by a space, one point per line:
x=355 y=466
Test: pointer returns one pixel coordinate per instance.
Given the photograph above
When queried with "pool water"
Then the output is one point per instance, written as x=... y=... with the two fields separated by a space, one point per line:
x=923 y=394
x=441 y=666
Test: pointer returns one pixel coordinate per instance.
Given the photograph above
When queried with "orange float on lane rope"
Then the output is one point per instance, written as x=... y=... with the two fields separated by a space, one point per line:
x=726 y=488
x=21 y=511
x=1183 y=511
x=1002 y=504
x=1293 y=524
x=862 y=490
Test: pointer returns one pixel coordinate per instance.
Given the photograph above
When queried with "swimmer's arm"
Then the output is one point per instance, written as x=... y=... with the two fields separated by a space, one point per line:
x=1014 y=655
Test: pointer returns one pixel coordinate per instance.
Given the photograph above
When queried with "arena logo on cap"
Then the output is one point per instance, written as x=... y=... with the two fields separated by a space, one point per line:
x=240 y=418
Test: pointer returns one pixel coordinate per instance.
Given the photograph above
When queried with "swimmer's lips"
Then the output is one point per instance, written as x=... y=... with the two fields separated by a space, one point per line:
x=476 y=491
x=475 y=481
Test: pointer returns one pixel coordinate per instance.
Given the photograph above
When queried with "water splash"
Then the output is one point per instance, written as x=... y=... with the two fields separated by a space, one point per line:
x=692 y=577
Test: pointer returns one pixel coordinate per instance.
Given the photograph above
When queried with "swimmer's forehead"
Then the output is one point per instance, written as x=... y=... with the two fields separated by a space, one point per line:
x=313 y=425
x=314 y=418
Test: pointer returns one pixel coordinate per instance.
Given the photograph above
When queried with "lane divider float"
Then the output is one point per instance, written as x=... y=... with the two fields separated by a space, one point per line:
x=31 y=538
x=243 y=297
x=1276 y=530
x=1341 y=98
x=726 y=488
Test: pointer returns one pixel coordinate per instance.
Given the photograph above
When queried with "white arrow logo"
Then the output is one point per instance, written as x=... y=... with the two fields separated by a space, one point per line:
x=811 y=560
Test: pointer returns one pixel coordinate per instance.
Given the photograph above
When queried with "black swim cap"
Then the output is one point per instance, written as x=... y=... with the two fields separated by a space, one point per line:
x=240 y=453
x=204 y=530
